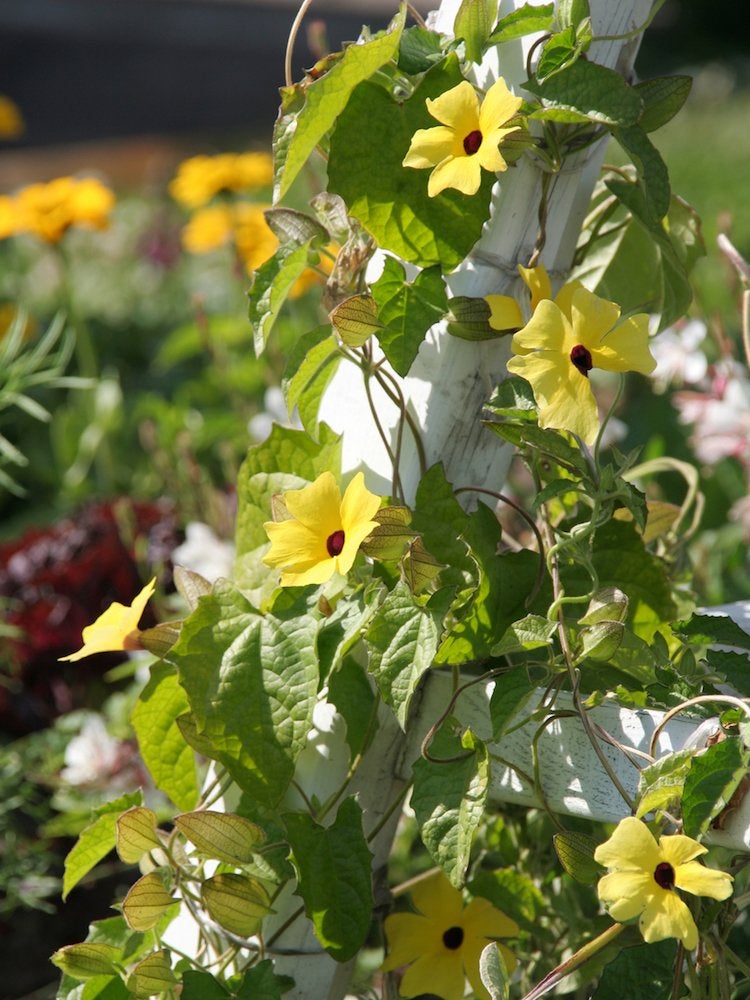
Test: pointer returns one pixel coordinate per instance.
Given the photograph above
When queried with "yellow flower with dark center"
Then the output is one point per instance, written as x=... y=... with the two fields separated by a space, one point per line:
x=324 y=532
x=556 y=350
x=505 y=311
x=114 y=629
x=467 y=139
x=442 y=942
x=201 y=178
x=49 y=210
x=644 y=876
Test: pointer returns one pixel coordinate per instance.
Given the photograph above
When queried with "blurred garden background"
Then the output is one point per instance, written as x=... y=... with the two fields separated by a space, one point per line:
x=130 y=392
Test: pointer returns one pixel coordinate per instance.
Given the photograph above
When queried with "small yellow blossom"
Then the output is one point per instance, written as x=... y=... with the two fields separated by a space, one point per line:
x=644 y=876
x=442 y=942
x=208 y=229
x=556 y=350
x=8 y=216
x=467 y=139
x=255 y=240
x=49 y=210
x=113 y=630
x=201 y=178
x=506 y=313
x=11 y=120
x=324 y=532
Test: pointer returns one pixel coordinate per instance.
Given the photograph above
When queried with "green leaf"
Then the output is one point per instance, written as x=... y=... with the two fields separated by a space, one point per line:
x=356 y=320
x=586 y=91
x=201 y=986
x=237 y=902
x=221 y=835
x=335 y=881
x=83 y=961
x=524 y=21
x=261 y=983
x=468 y=319
x=407 y=310
x=272 y=283
x=327 y=97
x=418 y=567
x=291 y=226
x=473 y=23
x=513 y=399
x=441 y=521
x=576 y=853
x=560 y=50
x=660 y=784
x=251 y=682
x=570 y=13
x=419 y=50
x=448 y=800
x=96 y=840
x=493 y=972
x=544 y=441
x=713 y=779
x=169 y=759
x=135 y=834
x=311 y=365
x=530 y=632
x=647 y=969
x=511 y=692
x=389 y=539
x=651 y=168
x=734 y=667
x=351 y=692
x=714 y=629
x=510 y=891
x=505 y=582
x=390 y=200
x=402 y=640
x=662 y=98
x=287 y=459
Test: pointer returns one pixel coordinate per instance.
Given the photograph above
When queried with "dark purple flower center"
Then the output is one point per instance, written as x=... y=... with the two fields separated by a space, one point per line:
x=472 y=142
x=335 y=543
x=664 y=875
x=453 y=938
x=581 y=358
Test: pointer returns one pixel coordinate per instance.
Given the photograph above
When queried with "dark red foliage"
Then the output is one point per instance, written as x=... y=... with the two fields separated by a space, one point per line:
x=54 y=582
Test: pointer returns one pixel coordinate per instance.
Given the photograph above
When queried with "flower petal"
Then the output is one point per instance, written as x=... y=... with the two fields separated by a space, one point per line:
x=625 y=348
x=431 y=145
x=625 y=894
x=441 y=974
x=482 y=920
x=489 y=154
x=564 y=396
x=538 y=283
x=409 y=936
x=498 y=106
x=436 y=897
x=547 y=329
x=630 y=848
x=667 y=916
x=457 y=108
x=701 y=881
x=592 y=317
x=505 y=313
x=108 y=633
x=318 y=505
x=302 y=576
x=464 y=173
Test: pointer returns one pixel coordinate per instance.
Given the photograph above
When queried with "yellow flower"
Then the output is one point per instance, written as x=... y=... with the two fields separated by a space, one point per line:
x=556 y=350
x=506 y=313
x=442 y=942
x=201 y=178
x=324 y=532
x=254 y=238
x=48 y=210
x=112 y=630
x=467 y=138
x=8 y=216
x=643 y=878
x=11 y=120
x=208 y=229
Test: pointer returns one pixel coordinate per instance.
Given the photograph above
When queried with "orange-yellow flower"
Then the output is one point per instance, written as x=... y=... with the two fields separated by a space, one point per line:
x=201 y=178
x=468 y=138
x=324 y=532
x=11 y=120
x=442 y=942
x=113 y=630
x=644 y=878
x=49 y=210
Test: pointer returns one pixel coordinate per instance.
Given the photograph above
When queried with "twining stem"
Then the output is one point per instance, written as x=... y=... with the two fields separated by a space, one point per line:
x=582 y=955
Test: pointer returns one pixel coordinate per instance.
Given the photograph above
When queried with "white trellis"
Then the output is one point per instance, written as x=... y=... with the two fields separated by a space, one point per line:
x=445 y=390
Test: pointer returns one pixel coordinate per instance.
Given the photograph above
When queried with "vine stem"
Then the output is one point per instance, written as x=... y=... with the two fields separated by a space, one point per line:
x=293 y=32
x=582 y=955
x=725 y=699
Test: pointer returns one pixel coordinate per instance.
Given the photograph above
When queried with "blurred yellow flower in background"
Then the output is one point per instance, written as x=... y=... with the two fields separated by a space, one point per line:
x=201 y=178
x=49 y=210
x=11 y=120
x=208 y=229
x=112 y=630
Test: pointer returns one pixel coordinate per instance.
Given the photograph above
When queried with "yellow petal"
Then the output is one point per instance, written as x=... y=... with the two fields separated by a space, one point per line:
x=667 y=916
x=497 y=107
x=294 y=545
x=538 y=283
x=464 y=173
x=547 y=329
x=564 y=298
x=505 y=313
x=701 y=881
x=631 y=847
x=431 y=145
x=319 y=572
x=489 y=154
x=592 y=317
x=436 y=897
x=625 y=894
x=440 y=974
x=457 y=108
x=318 y=505
x=409 y=936
x=563 y=394
x=625 y=348
x=481 y=920
x=677 y=849
x=108 y=633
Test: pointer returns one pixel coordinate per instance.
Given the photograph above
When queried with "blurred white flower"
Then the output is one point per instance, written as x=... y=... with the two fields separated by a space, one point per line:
x=721 y=416
x=204 y=552
x=94 y=758
x=679 y=357
x=275 y=412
